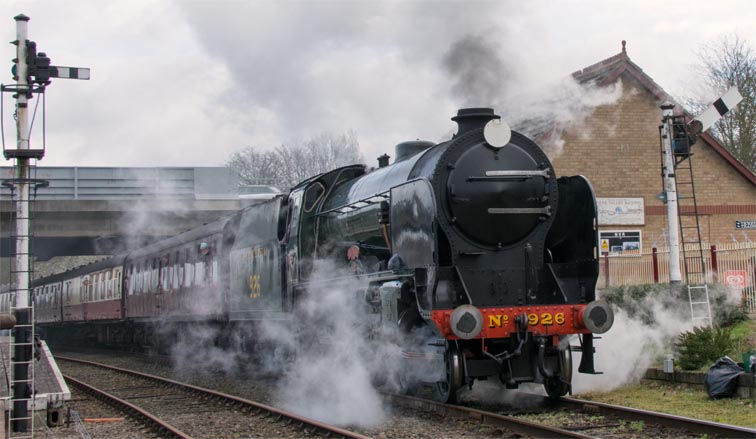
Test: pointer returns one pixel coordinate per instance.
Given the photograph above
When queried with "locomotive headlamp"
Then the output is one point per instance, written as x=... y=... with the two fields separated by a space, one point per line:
x=466 y=322
x=497 y=133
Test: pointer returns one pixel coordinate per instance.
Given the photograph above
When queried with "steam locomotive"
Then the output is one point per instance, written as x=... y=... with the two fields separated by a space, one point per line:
x=474 y=240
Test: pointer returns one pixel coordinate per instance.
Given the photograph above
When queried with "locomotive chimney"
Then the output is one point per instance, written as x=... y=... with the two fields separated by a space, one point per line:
x=383 y=160
x=472 y=118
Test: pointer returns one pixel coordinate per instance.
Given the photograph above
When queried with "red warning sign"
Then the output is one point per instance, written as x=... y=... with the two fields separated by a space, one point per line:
x=736 y=278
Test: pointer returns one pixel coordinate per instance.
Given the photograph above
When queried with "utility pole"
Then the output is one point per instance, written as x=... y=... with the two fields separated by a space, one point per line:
x=30 y=68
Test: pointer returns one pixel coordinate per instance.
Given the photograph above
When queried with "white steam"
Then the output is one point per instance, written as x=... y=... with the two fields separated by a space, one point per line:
x=331 y=377
x=633 y=344
x=196 y=350
x=551 y=110
x=486 y=73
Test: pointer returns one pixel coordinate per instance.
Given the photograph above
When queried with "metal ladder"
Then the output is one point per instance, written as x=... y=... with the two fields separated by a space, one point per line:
x=694 y=261
x=28 y=399
x=25 y=332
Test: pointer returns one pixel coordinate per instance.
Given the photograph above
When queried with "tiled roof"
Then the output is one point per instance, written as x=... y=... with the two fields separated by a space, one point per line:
x=608 y=71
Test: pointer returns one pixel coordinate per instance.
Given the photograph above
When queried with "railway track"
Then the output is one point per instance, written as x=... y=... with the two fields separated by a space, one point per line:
x=152 y=399
x=529 y=415
x=510 y=423
x=696 y=426
x=606 y=420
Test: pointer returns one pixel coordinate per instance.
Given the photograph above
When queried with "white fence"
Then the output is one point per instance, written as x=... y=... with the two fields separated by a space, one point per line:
x=730 y=264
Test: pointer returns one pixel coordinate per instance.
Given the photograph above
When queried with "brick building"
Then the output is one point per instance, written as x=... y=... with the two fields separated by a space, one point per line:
x=618 y=149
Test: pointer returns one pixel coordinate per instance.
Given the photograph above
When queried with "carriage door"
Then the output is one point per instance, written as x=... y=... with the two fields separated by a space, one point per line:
x=290 y=242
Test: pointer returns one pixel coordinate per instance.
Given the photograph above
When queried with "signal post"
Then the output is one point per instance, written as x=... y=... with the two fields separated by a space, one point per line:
x=32 y=72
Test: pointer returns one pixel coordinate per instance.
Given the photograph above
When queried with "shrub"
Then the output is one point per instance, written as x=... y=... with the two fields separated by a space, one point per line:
x=635 y=301
x=703 y=346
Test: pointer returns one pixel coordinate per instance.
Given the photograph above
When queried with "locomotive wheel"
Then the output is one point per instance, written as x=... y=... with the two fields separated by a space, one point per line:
x=447 y=390
x=560 y=383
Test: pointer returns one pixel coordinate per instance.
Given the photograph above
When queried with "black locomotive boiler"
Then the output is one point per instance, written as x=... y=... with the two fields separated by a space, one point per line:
x=474 y=240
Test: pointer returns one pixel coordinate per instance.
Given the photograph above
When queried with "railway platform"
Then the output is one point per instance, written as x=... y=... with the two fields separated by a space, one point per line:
x=51 y=390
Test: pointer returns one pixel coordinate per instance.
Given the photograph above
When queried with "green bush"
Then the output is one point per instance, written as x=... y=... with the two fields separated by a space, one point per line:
x=643 y=301
x=703 y=346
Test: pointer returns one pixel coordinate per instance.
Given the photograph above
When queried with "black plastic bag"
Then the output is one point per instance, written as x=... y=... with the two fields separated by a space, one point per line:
x=721 y=380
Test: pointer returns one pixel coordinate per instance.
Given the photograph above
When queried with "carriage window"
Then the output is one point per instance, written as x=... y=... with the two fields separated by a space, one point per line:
x=175 y=276
x=188 y=270
x=215 y=271
x=180 y=272
x=199 y=273
x=140 y=277
x=155 y=276
x=162 y=273
x=143 y=277
x=130 y=279
x=117 y=286
x=110 y=284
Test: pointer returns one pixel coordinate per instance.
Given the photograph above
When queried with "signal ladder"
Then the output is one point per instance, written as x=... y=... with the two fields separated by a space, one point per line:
x=694 y=262
x=27 y=395
x=21 y=391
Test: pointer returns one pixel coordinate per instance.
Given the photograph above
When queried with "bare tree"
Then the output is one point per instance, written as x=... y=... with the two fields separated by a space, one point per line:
x=291 y=163
x=731 y=61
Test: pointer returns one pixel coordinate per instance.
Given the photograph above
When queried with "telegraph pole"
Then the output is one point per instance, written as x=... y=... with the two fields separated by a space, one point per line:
x=30 y=69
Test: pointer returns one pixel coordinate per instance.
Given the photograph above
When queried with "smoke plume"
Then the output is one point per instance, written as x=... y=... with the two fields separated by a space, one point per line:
x=484 y=73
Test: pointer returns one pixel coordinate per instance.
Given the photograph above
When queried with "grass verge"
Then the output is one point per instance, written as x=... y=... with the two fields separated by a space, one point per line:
x=681 y=401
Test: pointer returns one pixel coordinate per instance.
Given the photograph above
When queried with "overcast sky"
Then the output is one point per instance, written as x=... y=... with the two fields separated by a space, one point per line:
x=186 y=83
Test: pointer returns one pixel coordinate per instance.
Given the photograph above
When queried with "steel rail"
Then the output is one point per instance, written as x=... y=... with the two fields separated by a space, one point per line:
x=517 y=425
x=162 y=427
x=303 y=422
x=675 y=421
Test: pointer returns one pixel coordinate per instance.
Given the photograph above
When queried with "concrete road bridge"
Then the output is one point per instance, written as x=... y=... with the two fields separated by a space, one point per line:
x=102 y=211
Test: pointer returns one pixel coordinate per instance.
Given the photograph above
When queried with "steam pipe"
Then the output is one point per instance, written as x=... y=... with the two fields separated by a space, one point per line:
x=542 y=360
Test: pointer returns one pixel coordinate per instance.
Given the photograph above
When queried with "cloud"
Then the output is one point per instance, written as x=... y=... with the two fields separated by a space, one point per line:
x=186 y=83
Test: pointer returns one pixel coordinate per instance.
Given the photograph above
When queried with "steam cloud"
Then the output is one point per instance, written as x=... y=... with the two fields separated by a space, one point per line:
x=484 y=74
x=331 y=376
x=331 y=358
x=634 y=344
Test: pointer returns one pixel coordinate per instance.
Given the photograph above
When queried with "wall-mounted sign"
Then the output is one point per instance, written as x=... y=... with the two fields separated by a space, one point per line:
x=736 y=278
x=620 y=243
x=620 y=211
x=745 y=224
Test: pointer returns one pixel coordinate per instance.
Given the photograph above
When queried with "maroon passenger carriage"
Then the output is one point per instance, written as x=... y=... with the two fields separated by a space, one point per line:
x=174 y=280
x=117 y=300
x=87 y=294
